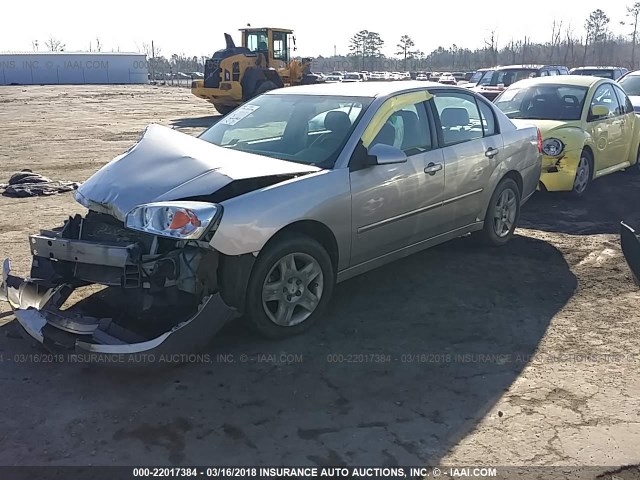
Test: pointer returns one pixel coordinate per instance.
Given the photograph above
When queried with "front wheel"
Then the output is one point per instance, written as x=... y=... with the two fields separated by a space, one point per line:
x=503 y=213
x=583 y=174
x=291 y=284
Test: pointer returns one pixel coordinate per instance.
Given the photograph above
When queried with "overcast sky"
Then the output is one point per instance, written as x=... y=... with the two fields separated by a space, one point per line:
x=196 y=27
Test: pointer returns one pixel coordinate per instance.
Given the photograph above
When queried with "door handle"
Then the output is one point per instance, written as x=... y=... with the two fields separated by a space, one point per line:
x=491 y=152
x=432 y=168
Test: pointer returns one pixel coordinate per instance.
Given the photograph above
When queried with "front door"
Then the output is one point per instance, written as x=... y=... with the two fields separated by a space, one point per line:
x=607 y=130
x=397 y=205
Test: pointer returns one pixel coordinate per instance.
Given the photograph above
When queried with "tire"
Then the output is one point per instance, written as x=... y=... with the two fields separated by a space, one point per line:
x=505 y=201
x=583 y=178
x=224 y=109
x=264 y=87
x=635 y=168
x=292 y=292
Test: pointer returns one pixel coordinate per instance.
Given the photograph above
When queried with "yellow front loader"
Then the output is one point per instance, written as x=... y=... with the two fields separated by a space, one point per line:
x=236 y=74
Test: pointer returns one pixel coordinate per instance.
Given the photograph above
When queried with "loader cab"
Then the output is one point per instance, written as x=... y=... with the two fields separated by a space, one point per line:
x=273 y=43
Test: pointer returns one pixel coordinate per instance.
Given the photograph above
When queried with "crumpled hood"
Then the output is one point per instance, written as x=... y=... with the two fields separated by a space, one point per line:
x=168 y=165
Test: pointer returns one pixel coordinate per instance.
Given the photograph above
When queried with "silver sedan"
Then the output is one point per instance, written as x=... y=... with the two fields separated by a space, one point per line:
x=289 y=194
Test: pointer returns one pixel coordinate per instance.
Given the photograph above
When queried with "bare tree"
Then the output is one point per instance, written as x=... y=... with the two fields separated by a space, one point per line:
x=556 y=31
x=491 y=45
x=54 y=45
x=98 y=45
x=633 y=12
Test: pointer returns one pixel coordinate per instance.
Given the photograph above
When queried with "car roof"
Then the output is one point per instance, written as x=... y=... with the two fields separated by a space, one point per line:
x=526 y=67
x=360 y=89
x=596 y=68
x=571 y=80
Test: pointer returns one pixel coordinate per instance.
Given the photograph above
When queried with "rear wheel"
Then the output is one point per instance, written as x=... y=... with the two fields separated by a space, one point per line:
x=584 y=173
x=290 y=286
x=635 y=168
x=224 y=109
x=502 y=214
x=265 y=87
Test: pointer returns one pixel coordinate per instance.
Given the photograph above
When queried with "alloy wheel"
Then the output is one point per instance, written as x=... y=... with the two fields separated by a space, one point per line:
x=292 y=289
x=505 y=213
x=582 y=175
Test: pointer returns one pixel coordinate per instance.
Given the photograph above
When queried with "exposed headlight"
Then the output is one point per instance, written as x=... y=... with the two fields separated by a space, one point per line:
x=552 y=147
x=180 y=220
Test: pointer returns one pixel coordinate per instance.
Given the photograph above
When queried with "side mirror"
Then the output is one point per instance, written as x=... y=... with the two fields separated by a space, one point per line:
x=599 y=111
x=387 y=155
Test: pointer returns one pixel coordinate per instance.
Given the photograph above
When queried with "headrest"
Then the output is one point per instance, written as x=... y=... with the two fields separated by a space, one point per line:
x=454 y=117
x=337 y=121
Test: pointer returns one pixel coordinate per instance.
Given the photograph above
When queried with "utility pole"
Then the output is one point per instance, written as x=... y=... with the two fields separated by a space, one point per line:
x=335 y=54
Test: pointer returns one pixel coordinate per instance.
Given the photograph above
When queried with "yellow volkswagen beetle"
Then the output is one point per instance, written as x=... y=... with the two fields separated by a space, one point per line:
x=588 y=126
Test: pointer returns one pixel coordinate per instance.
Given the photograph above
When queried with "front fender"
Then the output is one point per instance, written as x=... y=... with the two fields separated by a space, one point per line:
x=250 y=220
x=558 y=173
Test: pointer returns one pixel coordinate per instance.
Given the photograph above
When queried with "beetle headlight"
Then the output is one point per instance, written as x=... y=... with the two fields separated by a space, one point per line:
x=179 y=220
x=552 y=147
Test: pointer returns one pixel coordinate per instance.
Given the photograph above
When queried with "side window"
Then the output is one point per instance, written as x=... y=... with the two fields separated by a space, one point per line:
x=488 y=119
x=605 y=96
x=624 y=101
x=459 y=117
x=280 y=46
x=544 y=73
x=407 y=129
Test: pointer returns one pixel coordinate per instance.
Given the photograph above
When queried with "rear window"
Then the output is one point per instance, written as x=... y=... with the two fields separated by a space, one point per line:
x=595 y=73
x=506 y=77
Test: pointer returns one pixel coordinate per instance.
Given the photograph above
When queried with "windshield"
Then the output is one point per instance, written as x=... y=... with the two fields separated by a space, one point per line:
x=352 y=76
x=595 y=73
x=506 y=77
x=475 y=78
x=543 y=102
x=631 y=85
x=308 y=129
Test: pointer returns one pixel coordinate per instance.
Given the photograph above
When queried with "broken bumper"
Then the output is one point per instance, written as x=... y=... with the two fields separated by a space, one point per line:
x=559 y=174
x=37 y=310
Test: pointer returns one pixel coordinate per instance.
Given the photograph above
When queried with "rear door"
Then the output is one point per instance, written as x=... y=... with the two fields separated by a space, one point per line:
x=472 y=144
x=397 y=205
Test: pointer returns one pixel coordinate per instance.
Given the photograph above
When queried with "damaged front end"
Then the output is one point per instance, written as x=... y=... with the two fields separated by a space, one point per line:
x=159 y=295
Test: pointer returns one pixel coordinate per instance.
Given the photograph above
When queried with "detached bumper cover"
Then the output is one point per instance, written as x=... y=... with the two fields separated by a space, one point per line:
x=630 y=242
x=36 y=310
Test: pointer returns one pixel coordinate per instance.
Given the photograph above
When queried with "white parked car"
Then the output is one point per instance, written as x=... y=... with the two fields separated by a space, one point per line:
x=448 y=79
x=352 y=77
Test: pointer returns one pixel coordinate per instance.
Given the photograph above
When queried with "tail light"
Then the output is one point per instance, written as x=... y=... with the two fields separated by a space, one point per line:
x=539 y=141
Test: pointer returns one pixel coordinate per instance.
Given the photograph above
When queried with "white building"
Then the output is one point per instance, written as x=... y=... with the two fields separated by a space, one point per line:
x=52 y=68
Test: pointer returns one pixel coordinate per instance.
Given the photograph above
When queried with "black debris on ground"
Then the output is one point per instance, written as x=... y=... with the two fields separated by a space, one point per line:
x=26 y=183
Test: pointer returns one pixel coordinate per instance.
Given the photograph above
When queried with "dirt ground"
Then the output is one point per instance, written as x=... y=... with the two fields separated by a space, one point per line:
x=526 y=355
